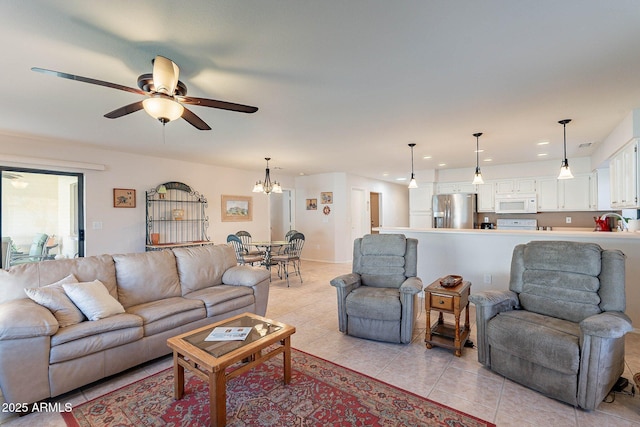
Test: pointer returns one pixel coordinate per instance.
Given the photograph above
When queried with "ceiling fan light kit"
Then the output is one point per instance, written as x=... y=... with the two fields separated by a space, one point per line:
x=163 y=108
x=165 y=95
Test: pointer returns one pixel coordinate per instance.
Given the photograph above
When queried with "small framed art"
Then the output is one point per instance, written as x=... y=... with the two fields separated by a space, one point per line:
x=237 y=208
x=124 y=198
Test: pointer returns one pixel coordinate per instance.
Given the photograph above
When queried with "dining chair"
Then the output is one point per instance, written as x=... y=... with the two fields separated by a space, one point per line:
x=37 y=252
x=290 y=255
x=241 y=256
x=245 y=237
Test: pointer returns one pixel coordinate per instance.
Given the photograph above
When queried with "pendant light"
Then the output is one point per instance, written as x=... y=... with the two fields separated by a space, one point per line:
x=477 y=178
x=267 y=187
x=412 y=183
x=565 y=172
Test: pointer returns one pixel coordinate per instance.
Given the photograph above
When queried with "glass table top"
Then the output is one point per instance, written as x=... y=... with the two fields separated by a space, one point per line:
x=261 y=328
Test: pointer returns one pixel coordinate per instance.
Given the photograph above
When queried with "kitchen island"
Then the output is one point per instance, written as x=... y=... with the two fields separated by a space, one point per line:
x=483 y=257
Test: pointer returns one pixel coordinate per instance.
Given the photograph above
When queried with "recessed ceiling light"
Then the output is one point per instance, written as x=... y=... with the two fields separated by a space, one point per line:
x=488 y=160
x=442 y=164
x=426 y=157
x=543 y=143
x=401 y=179
x=542 y=154
x=385 y=174
x=478 y=151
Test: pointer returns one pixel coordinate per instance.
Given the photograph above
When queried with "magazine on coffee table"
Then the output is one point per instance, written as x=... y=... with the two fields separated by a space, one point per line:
x=229 y=333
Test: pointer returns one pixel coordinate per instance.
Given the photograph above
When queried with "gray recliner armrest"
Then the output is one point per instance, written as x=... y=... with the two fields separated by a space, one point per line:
x=412 y=286
x=491 y=298
x=344 y=285
x=610 y=324
x=488 y=304
x=346 y=280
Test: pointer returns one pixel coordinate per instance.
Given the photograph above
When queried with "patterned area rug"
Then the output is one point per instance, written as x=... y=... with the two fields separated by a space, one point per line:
x=321 y=393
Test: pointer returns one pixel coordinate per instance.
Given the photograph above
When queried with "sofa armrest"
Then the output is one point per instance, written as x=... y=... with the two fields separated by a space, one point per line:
x=344 y=285
x=244 y=275
x=488 y=304
x=411 y=286
x=23 y=318
x=610 y=324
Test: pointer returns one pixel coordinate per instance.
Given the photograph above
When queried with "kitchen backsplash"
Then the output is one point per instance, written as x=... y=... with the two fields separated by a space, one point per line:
x=550 y=219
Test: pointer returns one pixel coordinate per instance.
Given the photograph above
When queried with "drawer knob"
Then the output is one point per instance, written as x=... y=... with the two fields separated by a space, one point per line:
x=441 y=302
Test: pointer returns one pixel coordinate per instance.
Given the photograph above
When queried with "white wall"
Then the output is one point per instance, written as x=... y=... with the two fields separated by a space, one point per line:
x=123 y=230
x=328 y=237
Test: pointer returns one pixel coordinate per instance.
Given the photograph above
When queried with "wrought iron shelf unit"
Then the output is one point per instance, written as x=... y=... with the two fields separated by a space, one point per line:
x=176 y=215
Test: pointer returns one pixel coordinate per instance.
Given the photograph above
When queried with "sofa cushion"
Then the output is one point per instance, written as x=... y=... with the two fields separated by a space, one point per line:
x=85 y=338
x=542 y=340
x=224 y=298
x=374 y=303
x=203 y=266
x=93 y=299
x=86 y=269
x=162 y=315
x=146 y=277
x=54 y=298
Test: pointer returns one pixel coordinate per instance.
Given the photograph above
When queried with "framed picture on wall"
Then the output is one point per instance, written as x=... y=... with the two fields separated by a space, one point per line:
x=124 y=198
x=326 y=197
x=237 y=208
x=312 y=204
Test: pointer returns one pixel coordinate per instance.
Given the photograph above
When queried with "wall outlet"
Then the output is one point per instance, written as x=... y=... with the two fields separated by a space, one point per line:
x=487 y=278
x=486 y=219
x=567 y=220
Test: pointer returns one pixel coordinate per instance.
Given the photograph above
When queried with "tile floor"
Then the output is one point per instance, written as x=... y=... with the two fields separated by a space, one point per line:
x=461 y=383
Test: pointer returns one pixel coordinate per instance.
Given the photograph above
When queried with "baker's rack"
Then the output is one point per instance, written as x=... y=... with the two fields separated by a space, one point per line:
x=176 y=216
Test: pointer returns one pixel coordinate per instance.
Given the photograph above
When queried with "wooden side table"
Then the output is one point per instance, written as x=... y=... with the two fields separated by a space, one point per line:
x=447 y=300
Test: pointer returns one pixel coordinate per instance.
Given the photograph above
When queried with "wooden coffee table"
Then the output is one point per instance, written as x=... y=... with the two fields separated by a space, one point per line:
x=210 y=359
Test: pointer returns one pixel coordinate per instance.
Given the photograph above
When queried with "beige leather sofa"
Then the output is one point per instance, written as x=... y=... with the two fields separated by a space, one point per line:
x=163 y=294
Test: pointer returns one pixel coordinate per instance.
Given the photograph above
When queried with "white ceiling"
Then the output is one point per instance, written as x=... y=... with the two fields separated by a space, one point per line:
x=342 y=86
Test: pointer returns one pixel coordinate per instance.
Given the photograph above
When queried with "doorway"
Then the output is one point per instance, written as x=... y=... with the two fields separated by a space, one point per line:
x=36 y=203
x=374 y=203
x=281 y=213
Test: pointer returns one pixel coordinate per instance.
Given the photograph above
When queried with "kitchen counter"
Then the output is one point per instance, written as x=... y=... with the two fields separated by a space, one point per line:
x=483 y=257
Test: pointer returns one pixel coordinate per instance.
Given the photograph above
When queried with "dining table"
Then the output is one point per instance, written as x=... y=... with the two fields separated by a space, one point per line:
x=267 y=247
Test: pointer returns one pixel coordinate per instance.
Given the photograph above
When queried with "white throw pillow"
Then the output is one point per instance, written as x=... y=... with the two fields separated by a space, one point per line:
x=53 y=297
x=93 y=299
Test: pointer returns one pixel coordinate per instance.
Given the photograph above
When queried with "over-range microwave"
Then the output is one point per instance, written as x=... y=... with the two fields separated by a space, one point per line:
x=516 y=203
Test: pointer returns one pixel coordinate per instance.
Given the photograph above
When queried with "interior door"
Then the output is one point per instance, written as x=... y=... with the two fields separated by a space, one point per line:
x=374 y=203
x=35 y=202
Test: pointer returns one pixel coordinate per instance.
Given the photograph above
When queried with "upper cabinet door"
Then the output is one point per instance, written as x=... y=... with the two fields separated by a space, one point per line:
x=521 y=185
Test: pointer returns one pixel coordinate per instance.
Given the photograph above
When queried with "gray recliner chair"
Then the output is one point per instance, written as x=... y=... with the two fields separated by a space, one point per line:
x=376 y=301
x=560 y=327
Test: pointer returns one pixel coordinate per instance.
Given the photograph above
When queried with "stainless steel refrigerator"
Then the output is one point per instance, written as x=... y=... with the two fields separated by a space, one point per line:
x=454 y=210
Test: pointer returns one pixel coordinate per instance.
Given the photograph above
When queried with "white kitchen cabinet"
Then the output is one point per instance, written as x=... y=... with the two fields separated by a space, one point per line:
x=455 y=187
x=486 y=197
x=577 y=194
x=519 y=185
x=547 y=194
x=624 y=177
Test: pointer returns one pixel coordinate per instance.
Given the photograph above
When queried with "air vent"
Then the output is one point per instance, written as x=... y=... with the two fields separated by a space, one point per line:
x=585 y=145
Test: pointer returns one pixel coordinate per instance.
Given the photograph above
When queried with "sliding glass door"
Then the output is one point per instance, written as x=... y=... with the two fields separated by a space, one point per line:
x=41 y=215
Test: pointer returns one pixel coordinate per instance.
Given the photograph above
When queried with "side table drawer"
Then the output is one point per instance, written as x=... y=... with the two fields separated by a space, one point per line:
x=441 y=302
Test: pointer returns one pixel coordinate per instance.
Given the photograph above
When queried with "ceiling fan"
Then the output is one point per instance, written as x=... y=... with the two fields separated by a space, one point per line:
x=165 y=95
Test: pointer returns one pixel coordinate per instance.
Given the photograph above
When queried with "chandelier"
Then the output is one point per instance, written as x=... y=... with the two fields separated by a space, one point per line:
x=267 y=187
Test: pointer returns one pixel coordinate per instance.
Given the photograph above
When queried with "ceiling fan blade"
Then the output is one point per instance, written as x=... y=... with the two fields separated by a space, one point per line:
x=123 y=111
x=223 y=105
x=165 y=75
x=194 y=120
x=87 y=80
